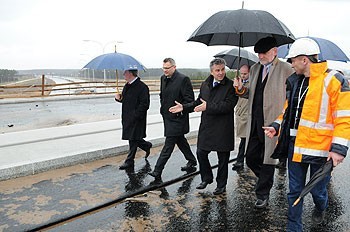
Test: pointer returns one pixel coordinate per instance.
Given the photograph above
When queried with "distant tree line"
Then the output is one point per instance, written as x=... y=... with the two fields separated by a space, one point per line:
x=97 y=75
x=8 y=75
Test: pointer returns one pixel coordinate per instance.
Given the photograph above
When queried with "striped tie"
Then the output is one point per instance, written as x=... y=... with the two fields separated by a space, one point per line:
x=265 y=72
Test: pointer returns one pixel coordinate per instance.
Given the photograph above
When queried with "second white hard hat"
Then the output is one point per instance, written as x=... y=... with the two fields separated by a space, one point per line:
x=303 y=46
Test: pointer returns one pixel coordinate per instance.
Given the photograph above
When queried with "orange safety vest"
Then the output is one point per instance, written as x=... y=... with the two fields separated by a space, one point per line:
x=325 y=117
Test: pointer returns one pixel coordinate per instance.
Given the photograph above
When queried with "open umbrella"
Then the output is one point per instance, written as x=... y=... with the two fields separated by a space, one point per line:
x=328 y=50
x=319 y=175
x=115 y=61
x=232 y=57
x=241 y=28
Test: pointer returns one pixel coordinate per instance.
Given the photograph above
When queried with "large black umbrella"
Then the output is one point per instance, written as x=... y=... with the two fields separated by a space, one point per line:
x=319 y=175
x=328 y=50
x=232 y=57
x=241 y=28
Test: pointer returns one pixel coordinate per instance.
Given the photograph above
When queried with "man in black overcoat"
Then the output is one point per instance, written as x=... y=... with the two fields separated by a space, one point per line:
x=135 y=103
x=216 y=101
x=174 y=86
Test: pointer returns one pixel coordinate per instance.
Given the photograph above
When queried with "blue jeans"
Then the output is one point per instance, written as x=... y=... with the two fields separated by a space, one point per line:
x=297 y=177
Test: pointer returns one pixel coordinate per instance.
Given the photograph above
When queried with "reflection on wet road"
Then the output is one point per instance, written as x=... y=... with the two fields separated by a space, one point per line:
x=27 y=203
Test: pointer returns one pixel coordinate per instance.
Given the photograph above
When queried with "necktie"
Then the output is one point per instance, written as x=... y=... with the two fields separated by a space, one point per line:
x=215 y=84
x=265 y=72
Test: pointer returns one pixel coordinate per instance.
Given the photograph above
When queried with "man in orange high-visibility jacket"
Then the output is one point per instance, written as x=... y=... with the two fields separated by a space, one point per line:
x=315 y=126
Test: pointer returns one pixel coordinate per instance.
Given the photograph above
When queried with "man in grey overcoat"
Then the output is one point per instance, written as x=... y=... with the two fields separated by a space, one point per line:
x=241 y=113
x=266 y=97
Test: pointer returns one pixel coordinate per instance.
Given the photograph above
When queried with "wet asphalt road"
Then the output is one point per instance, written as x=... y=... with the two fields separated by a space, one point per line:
x=30 y=202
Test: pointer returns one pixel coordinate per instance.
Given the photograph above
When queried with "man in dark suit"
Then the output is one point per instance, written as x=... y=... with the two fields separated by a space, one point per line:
x=174 y=86
x=216 y=101
x=135 y=103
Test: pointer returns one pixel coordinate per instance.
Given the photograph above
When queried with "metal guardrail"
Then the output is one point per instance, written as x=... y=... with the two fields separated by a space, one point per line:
x=43 y=89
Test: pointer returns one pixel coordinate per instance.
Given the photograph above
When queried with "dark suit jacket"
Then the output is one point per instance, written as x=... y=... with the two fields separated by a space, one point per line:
x=216 y=130
x=177 y=88
x=135 y=103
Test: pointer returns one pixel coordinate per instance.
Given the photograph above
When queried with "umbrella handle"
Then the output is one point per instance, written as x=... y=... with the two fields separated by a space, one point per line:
x=117 y=81
x=296 y=201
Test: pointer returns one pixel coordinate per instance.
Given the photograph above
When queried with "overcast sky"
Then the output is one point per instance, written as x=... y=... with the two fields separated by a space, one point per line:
x=52 y=33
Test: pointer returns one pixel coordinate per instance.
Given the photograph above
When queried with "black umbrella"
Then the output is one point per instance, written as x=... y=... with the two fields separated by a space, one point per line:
x=231 y=57
x=241 y=28
x=319 y=175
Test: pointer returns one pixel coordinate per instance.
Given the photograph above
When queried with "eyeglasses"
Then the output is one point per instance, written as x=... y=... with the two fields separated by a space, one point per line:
x=166 y=68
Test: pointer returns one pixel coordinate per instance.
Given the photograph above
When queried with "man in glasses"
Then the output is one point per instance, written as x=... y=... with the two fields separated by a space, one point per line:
x=174 y=86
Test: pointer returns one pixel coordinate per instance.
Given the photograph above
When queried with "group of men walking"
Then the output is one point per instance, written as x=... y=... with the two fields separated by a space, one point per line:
x=310 y=136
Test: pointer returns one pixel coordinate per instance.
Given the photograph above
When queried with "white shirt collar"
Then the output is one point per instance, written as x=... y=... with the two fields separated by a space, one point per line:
x=133 y=80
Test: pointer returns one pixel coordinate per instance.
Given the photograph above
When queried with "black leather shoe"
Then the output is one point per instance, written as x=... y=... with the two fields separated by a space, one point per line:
x=281 y=165
x=203 y=185
x=318 y=216
x=126 y=166
x=148 y=150
x=189 y=166
x=219 y=191
x=155 y=174
x=261 y=204
x=237 y=166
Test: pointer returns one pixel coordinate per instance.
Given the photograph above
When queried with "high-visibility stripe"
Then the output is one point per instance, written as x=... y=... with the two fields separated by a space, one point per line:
x=329 y=77
x=341 y=141
x=325 y=98
x=342 y=113
x=316 y=125
x=311 y=152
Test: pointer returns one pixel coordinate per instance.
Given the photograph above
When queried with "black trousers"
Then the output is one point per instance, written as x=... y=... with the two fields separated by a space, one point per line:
x=206 y=171
x=255 y=161
x=168 y=149
x=133 y=145
x=240 y=155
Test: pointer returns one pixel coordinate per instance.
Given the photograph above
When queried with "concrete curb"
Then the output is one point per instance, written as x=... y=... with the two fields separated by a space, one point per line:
x=38 y=167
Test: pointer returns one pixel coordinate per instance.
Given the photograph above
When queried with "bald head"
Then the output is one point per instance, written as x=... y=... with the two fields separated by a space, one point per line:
x=244 y=72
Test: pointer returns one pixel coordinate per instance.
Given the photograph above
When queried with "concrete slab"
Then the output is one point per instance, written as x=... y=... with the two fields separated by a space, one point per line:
x=29 y=152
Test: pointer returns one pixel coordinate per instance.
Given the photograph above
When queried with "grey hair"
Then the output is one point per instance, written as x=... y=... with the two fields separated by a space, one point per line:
x=170 y=60
x=217 y=61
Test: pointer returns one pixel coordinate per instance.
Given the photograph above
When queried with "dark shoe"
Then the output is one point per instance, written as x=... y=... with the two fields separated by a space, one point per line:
x=155 y=174
x=261 y=204
x=318 y=216
x=281 y=165
x=219 y=191
x=237 y=166
x=203 y=185
x=189 y=166
x=126 y=166
x=156 y=181
x=148 y=150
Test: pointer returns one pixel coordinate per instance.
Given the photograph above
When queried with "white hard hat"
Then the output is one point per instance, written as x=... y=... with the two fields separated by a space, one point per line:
x=303 y=46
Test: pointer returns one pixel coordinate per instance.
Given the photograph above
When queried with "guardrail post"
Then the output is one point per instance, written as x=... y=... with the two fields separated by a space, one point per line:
x=42 y=85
